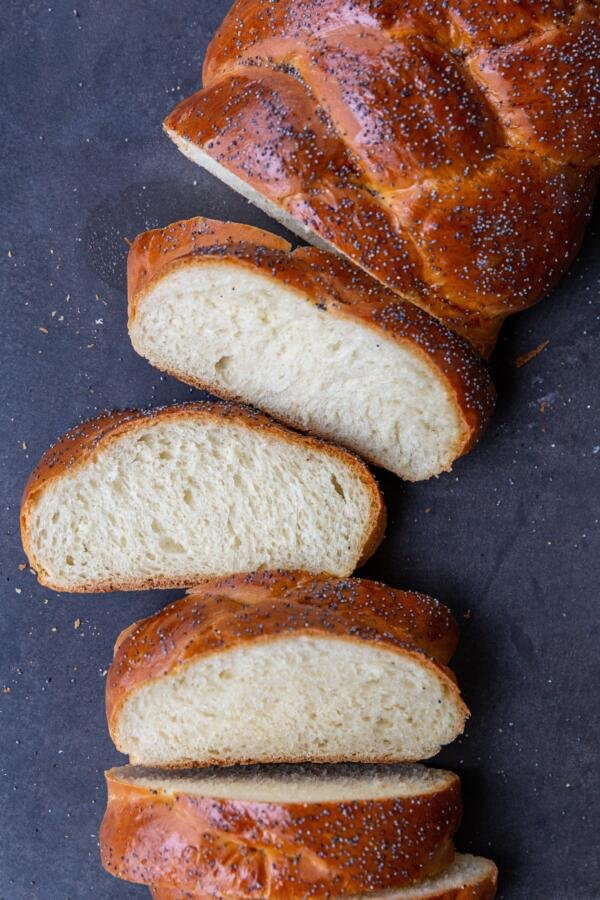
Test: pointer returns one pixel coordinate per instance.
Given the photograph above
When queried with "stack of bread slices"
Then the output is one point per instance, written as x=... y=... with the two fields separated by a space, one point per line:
x=275 y=715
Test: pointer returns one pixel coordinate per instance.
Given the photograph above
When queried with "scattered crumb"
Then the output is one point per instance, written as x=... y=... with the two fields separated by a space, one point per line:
x=531 y=354
x=77 y=623
x=23 y=445
x=468 y=614
x=42 y=329
x=127 y=241
x=6 y=690
x=17 y=590
x=22 y=567
x=544 y=406
x=10 y=254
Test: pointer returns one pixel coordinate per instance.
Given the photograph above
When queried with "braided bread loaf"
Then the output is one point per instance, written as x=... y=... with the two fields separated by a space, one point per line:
x=448 y=147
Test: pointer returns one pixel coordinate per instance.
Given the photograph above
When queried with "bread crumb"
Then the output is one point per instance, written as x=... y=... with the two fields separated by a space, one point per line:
x=22 y=567
x=6 y=690
x=77 y=623
x=531 y=354
x=42 y=329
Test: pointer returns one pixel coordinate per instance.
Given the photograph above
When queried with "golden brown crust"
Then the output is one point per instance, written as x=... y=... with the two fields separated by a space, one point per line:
x=484 y=889
x=81 y=443
x=153 y=251
x=271 y=850
x=330 y=283
x=351 y=117
x=164 y=892
x=245 y=609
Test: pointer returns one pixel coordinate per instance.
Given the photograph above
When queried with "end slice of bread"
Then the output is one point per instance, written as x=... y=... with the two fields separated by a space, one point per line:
x=466 y=878
x=170 y=497
x=308 y=338
x=286 y=667
x=280 y=831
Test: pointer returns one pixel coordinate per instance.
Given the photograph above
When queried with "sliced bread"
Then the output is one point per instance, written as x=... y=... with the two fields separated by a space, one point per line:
x=309 y=338
x=466 y=878
x=286 y=667
x=166 y=498
x=280 y=831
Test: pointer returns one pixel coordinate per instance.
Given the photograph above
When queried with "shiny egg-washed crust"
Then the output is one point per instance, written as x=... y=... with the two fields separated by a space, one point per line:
x=82 y=443
x=329 y=282
x=449 y=148
x=482 y=889
x=243 y=610
x=276 y=850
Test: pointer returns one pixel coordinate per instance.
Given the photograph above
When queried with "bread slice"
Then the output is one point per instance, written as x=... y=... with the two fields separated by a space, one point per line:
x=466 y=878
x=286 y=667
x=280 y=831
x=169 y=497
x=308 y=338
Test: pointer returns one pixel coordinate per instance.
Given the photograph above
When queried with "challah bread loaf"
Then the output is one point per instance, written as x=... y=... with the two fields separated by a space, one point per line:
x=450 y=149
x=166 y=498
x=280 y=831
x=466 y=878
x=286 y=667
x=310 y=339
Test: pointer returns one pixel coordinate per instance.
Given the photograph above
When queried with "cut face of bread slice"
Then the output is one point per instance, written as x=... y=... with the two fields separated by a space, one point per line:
x=466 y=878
x=167 y=498
x=280 y=831
x=308 y=338
x=286 y=668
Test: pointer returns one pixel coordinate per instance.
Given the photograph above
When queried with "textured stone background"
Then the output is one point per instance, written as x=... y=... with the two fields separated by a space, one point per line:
x=509 y=540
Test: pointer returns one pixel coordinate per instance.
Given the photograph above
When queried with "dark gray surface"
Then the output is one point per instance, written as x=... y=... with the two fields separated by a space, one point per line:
x=511 y=535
